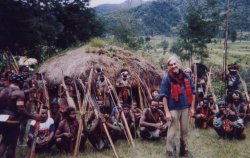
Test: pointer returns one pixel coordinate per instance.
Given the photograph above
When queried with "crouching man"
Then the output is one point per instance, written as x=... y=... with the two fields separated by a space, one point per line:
x=45 y=132
x=227 y=124
x=153 y=124
x=66 y=134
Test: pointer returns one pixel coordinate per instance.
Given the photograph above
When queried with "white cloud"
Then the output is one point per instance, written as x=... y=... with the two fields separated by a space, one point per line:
x=94 y=3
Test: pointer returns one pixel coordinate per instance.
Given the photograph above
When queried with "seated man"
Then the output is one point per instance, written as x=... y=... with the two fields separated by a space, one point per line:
x=203 y=114
x=227 y=124
x=129 y=115
x=56 y=115
x=232 y=78
x=153 y=124
x=157 y=100
x=42 y=132
x=236 y=102
x=67 y=132
x=96 y=133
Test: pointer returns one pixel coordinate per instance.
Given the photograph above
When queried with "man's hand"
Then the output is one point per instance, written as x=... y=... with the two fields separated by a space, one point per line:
x=191 y=111
x=158 y=125
x=102 y=118
x=168 y=116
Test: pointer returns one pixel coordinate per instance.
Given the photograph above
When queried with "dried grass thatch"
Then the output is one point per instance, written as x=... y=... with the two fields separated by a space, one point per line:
x=78 y=62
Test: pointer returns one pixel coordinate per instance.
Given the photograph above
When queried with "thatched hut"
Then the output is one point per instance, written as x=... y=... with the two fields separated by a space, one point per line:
x=78 y=62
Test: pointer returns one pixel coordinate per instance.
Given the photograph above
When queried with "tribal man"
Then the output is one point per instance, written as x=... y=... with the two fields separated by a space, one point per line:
x=45 y=132
x=236 y=102
x=101 y=88
x=67 y=131
x=203 y=114
x=233 y=78
x=227 y=124
x=11 y=111
x=156 y=99
x=62 y=100
x=96 y=133
x=124 y=87
x=129 y=115
x=153 y=123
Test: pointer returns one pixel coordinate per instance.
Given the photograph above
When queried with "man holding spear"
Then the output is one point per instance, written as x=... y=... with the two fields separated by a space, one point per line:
x=12 y=109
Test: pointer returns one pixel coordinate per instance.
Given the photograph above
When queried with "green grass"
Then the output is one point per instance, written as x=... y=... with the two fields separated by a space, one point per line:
x=202 y=144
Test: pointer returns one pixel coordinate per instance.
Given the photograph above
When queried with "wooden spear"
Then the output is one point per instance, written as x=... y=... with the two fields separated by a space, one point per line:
x=208 y=82
x=46 y=95
x=70 y=100
x=140 y=96
x=113 y=100
x=103 y=124
x=122 y=113
x=37 y=126
x=213 y=95
x=80 y=127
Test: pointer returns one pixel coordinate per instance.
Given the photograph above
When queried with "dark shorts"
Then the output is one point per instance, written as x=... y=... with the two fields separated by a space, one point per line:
x=9 y=132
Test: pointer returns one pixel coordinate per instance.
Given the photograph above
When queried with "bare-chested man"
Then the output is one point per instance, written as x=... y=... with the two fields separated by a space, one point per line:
x=203 y=114
x=96 y=132
x=123 y=87
x=30 y=88
x=129 y=115
x=67 y=131
x=153 y=124
x=102 y=92
x=62 y=100
x=11 y=111
x=156 y=99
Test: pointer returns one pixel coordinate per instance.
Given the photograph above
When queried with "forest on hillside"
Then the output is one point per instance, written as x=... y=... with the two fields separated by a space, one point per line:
x=43 y=28
x=39 y=28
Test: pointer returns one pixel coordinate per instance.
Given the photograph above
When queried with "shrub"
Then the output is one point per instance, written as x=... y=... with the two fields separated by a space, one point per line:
x=97 y=42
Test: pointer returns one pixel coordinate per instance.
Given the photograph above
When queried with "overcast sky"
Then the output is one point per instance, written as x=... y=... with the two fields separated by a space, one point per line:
x=94 y=3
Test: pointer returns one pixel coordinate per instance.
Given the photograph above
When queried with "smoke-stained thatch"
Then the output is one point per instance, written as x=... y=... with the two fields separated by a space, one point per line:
x=78 y=62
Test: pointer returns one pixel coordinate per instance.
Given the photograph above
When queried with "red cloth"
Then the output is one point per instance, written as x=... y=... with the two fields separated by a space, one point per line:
x=176 y=90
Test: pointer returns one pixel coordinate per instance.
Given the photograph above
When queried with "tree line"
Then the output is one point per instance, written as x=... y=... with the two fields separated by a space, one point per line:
x=40 y=27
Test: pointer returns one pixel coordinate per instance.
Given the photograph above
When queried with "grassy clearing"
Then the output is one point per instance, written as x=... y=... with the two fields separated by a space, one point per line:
x=202 y=143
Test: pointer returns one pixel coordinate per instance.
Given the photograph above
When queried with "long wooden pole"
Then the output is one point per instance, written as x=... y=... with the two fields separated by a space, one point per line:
x=122 y=113
x=225 y=49
x=104 y=126
x=113 y=100
x=208 y=81
x=46 y=95
x=214 y=97
x=80 y=127
x=70 y=100
x=140 y=97
x=37 y=127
